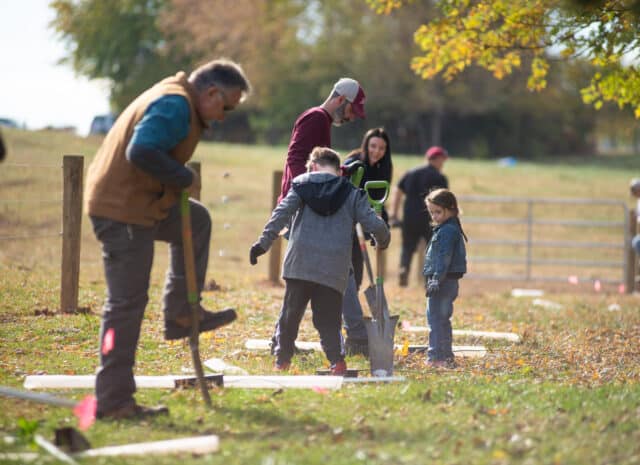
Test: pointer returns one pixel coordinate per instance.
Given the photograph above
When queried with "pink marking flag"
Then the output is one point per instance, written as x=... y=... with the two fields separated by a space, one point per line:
x=621 y=288
x=85 y=412
x=573 y=279
x=108 y=341
x=597 y=286
x=406 y=324
x=320 y=390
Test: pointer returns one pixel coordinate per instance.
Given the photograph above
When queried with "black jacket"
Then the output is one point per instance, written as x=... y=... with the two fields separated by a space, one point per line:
x=415 y=185
x=381 y=171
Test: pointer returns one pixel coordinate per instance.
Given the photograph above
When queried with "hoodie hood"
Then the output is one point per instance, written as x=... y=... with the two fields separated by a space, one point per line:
x=324 y=193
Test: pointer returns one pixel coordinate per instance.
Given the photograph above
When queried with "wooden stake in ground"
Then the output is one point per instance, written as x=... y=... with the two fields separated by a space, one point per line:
x=192 y=294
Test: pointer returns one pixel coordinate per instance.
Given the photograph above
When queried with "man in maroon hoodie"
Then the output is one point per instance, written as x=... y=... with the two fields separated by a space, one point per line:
x=313 y=127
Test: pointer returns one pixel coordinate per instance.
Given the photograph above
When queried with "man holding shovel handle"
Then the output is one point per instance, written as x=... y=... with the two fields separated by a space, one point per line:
x=132 y=196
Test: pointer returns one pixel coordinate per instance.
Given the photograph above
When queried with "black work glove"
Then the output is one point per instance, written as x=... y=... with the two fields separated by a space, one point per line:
x=395 y=222
x=255 y=252
x=352 y=167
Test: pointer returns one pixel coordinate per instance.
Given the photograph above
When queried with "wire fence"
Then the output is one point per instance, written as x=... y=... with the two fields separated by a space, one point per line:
x=46 y=203
x=535 y=238
x=42 y=213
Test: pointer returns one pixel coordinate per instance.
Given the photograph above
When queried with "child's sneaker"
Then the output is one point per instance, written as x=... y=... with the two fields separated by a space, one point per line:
x=436 y=363
x=448 y=363
x=281 y=366
x=339 y=368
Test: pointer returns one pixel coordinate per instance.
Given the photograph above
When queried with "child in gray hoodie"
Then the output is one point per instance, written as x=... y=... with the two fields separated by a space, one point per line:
x=324 y=208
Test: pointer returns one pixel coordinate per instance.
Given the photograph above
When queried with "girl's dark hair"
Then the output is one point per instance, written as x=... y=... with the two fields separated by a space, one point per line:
x=446 y=199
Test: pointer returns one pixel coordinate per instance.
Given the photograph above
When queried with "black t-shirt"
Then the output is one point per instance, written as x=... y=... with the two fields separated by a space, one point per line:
x=416 y=184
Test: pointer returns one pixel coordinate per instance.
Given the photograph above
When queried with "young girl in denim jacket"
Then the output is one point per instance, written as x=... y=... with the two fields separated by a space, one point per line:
x=445 y=263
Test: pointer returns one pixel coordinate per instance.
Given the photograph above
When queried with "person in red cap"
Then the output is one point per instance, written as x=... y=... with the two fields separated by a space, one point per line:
x=313 y=127
x=416 y=222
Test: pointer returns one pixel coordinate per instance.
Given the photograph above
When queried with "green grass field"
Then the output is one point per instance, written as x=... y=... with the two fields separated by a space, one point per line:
x=568 y=394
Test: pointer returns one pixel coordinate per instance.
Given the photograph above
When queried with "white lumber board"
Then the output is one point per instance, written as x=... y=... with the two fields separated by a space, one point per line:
x=198 y=445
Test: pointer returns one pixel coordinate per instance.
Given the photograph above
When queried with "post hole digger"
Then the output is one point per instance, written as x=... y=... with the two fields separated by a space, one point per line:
x=380 y=328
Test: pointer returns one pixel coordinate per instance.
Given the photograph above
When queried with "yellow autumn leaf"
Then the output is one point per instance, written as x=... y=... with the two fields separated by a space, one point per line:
x=499 y=454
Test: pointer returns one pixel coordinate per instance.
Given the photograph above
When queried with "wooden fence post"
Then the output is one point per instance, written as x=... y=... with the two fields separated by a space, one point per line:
x=632 y=259
x=73 y=166
x=195 y=166
x=276 y=248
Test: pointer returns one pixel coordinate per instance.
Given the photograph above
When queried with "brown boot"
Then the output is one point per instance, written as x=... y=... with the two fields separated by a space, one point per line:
x=133 y=412
x=181 y=326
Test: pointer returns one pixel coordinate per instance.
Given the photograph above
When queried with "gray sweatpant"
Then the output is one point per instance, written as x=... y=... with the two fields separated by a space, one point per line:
x=127 y=253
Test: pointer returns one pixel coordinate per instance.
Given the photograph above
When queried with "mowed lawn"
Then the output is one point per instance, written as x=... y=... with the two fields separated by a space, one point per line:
x=567 y=394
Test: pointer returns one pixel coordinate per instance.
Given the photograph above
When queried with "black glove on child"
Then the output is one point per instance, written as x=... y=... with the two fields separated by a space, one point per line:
x=255 y=252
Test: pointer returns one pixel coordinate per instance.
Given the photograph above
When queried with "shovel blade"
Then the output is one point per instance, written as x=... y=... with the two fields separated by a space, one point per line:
x=370 y=294
x=381 y=345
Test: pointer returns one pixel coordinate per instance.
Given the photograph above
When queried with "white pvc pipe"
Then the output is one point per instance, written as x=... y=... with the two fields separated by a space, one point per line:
x=375 y=379
x=276 y=382
x=196 y=445
x=168 y=382
x=462 y=351
x=89 y=381
x=53 y=450
x=512 y=337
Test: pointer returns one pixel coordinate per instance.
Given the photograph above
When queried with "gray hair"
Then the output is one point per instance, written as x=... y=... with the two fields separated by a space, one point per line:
x=222 y=73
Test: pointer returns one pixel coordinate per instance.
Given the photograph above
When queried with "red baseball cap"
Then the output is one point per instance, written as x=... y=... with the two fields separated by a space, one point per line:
x=436 y=151
x=352 y=90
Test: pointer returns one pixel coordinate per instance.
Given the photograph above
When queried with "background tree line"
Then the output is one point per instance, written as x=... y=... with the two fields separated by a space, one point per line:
x=293 y=51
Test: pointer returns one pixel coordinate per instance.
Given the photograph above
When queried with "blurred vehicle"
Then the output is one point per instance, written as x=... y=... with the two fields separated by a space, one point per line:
x=101 y=124
x=9 y=123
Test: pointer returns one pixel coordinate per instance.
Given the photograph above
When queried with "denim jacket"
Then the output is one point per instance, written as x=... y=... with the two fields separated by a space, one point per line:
x=446 y=252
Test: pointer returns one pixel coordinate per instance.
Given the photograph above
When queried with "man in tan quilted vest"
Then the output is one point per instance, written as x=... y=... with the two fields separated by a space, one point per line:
x=132 y=192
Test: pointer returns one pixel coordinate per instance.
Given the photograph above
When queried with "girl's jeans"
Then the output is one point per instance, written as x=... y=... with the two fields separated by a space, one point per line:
x=439 y=311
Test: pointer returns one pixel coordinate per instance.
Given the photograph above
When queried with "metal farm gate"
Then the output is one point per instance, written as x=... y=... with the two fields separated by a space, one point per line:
x=547 y=239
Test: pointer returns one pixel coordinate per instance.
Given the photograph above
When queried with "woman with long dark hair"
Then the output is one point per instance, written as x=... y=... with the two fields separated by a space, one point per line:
x=375 y=153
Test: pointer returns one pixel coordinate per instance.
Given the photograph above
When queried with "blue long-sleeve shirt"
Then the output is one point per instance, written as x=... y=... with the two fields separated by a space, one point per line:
x=165 y=124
